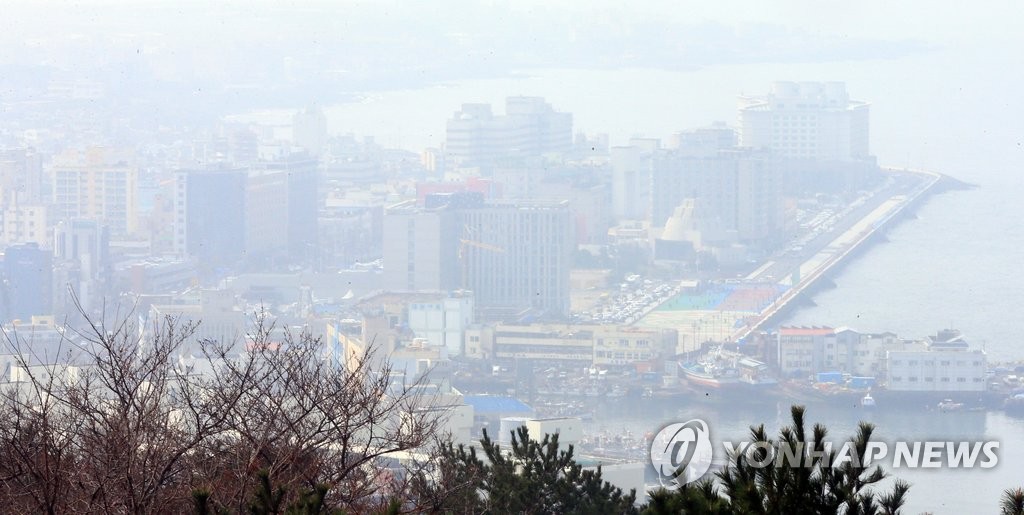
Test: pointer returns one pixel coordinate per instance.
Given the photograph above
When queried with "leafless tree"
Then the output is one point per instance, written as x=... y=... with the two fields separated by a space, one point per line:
x=131 y=426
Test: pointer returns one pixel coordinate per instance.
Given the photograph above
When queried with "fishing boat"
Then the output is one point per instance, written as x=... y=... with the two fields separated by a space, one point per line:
x=867 y=402
x=725 y=371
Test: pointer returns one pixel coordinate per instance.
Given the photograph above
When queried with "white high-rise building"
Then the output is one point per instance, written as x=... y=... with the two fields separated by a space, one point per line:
x=530 y=127
x=806 y=120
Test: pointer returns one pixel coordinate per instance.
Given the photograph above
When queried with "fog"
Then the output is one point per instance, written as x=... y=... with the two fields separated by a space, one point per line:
x=592 y=218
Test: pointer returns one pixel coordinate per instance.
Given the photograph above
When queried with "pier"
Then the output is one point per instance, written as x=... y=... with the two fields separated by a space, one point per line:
x=730 y=310
x=811 y=271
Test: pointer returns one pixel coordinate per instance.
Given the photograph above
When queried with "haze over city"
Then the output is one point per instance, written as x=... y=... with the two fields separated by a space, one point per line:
x=325 y=244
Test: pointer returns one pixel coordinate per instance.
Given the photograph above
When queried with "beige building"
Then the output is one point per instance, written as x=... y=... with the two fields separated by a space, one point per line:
x=592 y=345
x=98 y=186
x=23 y=223
x=618 y=346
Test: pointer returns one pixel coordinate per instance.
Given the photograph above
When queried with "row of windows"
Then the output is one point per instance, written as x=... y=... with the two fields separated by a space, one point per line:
x=623 y=355
x=929 y=363
x=929 y=379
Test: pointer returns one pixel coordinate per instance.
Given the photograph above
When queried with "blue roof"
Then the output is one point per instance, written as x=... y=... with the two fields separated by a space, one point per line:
x=497 y=404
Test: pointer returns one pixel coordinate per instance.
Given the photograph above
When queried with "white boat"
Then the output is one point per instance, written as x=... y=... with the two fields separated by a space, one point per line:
x=949 y=405
x=867 y=401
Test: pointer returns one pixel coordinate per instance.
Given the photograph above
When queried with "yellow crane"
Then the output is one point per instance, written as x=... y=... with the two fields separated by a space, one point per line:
x=467 y=241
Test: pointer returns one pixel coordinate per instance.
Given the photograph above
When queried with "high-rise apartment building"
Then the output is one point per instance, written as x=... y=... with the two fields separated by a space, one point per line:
x=99 y=188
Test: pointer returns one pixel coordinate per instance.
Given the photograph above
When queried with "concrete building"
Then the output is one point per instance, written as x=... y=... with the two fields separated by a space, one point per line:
x=737 y=194
x=221 y=319
x=513 y=255
x=707 y=139
x=210 y=215
x=155 y=275
x=627 y=346
x=81 y=253
x=516 y=256
x=942 y=363
x=443 y=322
x=631 y=178
x=800 y=350
x=27 y=288
x=37 y=340
x=806 y=120
x=530 y=127
x=420 y=248
x=21 y=174
x=541 y=342
x=589 y=345
x=99 y=187
x=23 y=222
x=298 y=174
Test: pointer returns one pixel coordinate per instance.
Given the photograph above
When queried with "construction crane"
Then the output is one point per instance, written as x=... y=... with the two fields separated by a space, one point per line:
x=466 y=241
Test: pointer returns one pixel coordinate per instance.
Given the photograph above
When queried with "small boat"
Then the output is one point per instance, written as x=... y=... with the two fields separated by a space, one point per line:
x=867 y=402
x=949 y=405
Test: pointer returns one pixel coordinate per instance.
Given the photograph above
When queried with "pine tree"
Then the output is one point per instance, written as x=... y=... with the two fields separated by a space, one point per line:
x=533 y=477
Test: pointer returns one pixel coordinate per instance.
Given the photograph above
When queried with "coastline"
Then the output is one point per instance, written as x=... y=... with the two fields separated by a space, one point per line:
x=865 y=233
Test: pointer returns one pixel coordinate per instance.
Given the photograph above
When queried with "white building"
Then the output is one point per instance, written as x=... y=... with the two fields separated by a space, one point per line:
x=530 y=127
x=443 y=322
x=631 y=178
x=942 y=363
x=22 y=222
x=806 y=120
x=215 y=314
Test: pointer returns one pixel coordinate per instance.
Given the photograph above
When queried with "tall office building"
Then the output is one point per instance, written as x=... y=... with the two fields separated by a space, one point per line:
x=210 y=215
x=282 y=207
x=631 y=178
x=97 y=187
x=513 y=255
x=737 y=194
x=806 y=120
x=81 y=253
x=529 y=128
x=420 y=248
x=516 y=256
x=27 y=287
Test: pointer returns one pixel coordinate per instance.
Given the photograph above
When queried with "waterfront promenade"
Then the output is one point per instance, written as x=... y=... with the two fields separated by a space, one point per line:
x=783 y=278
